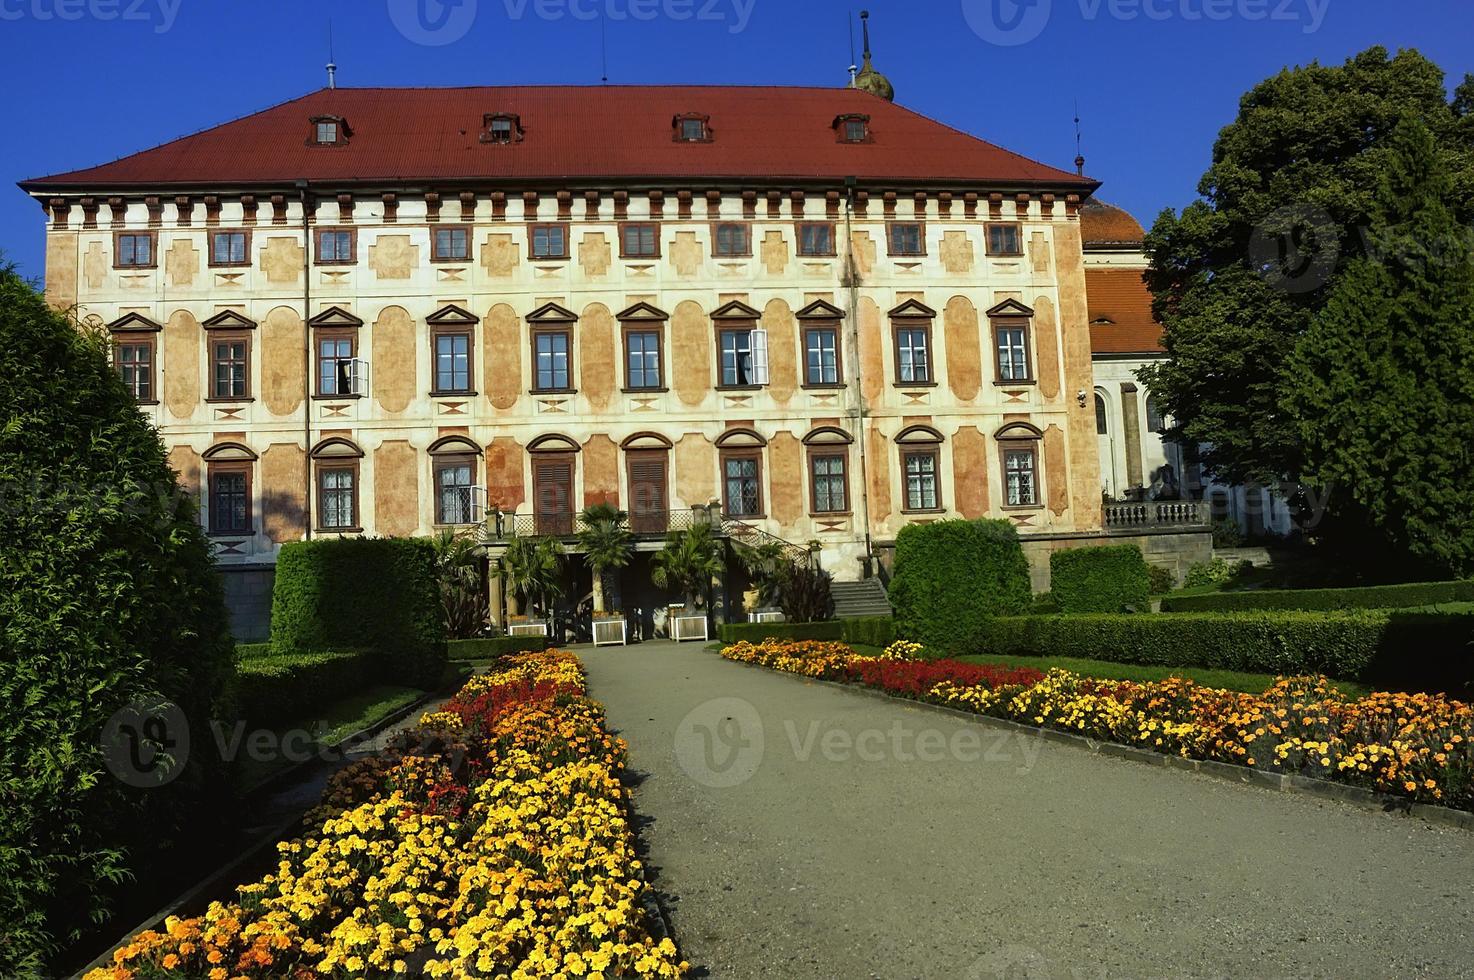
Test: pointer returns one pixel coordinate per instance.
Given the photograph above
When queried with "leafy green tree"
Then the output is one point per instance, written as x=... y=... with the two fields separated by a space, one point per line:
x=462 y=593
x=1382 y=382
x=689 y=561
x=534 y=570
x=605 y=538
x=108 y=597
x=1240 y=273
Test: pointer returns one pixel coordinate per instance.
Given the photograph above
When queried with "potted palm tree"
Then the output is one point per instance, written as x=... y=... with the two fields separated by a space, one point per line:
x=533 y=569
x=462 y=591
x=606 y=540
x=688 y=563
x=767 y=566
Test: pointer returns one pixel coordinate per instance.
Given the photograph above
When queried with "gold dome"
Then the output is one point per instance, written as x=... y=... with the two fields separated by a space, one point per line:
x=870 y=80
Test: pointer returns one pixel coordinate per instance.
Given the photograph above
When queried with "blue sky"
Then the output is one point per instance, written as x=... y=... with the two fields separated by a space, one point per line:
x=91 y=80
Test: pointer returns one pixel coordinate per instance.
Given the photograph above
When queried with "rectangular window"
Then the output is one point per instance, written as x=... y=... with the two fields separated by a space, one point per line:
x=742 y=486
x=327 y=132
x=337 y=494
x=451 y=245
x=1013 y=350
x=921 y=480
x=641 y=241
x=500 y=131
x=1005 y=239
x=737 y=358
x=822 y=348
x=228 y=247
x=454 y=492
x=693 y=130
x=135 y=250
x=452 y=363
x=231 y=367
x=732 y=240
x=335 y=247
x=831 y=492
x=335 y=365
x=906 y=238
x=913 y=355
x=230 y=500
x=855 y=130
x=815 y=238
x=550 y=350
x=135 y=363
x=642 y=359
x=1019 y=466
x=549 y=241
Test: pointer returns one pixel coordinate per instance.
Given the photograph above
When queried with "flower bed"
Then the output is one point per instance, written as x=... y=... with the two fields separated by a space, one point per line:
x=1412 y=745
x=491 y=841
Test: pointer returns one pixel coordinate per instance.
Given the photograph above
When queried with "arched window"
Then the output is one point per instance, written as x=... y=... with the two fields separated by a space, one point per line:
x=1102 y=426
x=335 y=462
x=1154 y=421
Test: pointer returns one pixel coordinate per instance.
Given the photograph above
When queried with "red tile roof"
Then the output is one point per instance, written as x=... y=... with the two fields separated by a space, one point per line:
x=1105 y=225
x=573 y=133
x=1120 y=295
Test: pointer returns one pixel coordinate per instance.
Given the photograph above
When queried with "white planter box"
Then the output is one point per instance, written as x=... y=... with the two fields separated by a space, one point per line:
x=610 y=632
x=527 y=629
x=684 y=628
x=765 y=616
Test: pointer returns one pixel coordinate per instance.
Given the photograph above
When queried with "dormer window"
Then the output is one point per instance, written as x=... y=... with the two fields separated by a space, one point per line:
x=853 y=128
x=502 y=127
x=329 y=131
x=693 y=128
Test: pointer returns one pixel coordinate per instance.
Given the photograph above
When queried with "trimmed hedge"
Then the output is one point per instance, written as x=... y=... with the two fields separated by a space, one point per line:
x=1107 y=579
x=378 y=594
x=872 y=631
x=758 y=632
x=252 y=651
x=275 y=690
x=1374 y=597
x=489 y=648
x=1419 y=651
x=952 y=577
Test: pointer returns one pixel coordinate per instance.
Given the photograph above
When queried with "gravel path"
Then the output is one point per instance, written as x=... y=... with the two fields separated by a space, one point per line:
x=798 y=830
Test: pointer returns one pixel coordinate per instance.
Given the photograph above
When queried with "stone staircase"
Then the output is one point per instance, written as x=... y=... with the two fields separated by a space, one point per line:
x=863 y=598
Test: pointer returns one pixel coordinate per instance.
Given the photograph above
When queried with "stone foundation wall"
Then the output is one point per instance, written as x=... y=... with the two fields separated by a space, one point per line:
x=248 y=600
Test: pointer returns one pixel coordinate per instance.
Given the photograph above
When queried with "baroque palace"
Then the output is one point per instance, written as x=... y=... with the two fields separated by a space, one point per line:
x=804 y=313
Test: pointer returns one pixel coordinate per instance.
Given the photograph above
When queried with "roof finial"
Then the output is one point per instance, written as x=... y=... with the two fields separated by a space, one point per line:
x=1079 y=154
x=854 y=68
x=869 y=79
x=332 y=66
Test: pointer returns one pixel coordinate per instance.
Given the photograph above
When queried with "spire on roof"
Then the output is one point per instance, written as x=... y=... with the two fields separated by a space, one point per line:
x=332 y=66
x=869 y=79
x=1079 y=153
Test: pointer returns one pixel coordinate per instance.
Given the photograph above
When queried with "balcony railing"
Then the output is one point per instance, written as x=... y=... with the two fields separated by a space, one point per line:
x=645 y=524
x=1157 y=513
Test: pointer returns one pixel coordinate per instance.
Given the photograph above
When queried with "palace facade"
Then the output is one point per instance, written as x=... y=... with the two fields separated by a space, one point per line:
x=804 y=313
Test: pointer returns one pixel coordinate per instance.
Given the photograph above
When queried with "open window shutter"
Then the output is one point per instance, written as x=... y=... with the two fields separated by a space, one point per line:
x=758 y=340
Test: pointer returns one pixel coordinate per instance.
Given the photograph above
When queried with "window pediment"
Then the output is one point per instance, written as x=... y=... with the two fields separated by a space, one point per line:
x=336 y=448
x=913 y=308
x=552 y=313
x=1019 y=430
x=740 y=439
x=134 y=322
x=735 y=310
x=553 y=443
x=828 y=435
x=335 y=316
x=642 y=311
x=227 y=452
x=452 y=316
x=918 y=435
x=229 y=320
x=820 y=310
x=1010 y=307
x=454 y=446
x=646 y=441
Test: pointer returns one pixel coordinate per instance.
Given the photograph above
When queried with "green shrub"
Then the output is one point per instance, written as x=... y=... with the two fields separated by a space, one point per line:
x=378 y=594
x=1108 y=579
x=1162 y=579
x=1215 y=572
x=108 y=596
x=870 y=631
x=252 y=651
x=806 y=595
x=951 y=577
x=489 y=648
x=758 y=632
x=280 y=689
x=1043 y=604
x=1420 y=651
x=1228 y=534
x=1373 y=597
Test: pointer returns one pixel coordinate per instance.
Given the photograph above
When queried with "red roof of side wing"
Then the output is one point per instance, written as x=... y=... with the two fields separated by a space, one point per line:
x=573 y=133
